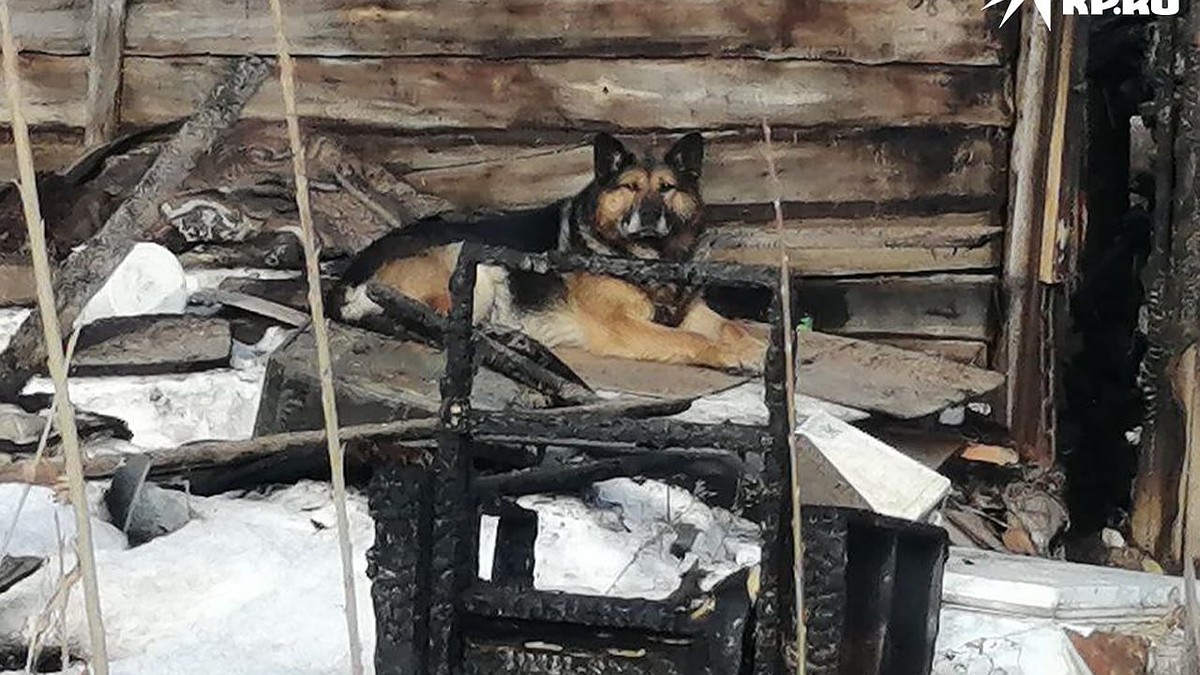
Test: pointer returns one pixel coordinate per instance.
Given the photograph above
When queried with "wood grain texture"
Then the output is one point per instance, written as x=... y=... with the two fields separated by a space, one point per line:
x=878 y=31
x=441 y=93
x=52 y=150
x=104 y=71
x=949 y=306
x=54 y=90
x=872 y=31
x=882 y=378
x=826 y=166
x=833 y=246
x=54 y=26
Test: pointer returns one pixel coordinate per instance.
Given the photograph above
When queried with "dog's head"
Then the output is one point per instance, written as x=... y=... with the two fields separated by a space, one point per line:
x=646 y=206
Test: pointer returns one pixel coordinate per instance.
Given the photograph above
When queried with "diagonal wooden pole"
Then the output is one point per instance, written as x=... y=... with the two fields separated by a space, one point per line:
x=52 y=335
x=789 y=361
x=308 y=239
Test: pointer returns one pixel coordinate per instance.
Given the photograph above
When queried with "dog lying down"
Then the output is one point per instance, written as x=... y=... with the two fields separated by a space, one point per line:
x=635 y=207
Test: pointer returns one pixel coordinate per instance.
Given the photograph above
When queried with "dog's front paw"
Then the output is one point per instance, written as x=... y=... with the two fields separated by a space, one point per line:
x=747 y=354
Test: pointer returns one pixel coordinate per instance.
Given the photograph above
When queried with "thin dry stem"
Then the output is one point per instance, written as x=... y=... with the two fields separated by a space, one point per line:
x=52 y=335
x=320 y=334
x=785 y=293
x=37 y=456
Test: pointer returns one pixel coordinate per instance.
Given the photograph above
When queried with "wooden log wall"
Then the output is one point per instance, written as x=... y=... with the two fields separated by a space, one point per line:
x=892 y=119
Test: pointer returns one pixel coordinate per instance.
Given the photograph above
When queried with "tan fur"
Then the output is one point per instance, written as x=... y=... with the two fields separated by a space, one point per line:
x=616 y=319
x=425 y=277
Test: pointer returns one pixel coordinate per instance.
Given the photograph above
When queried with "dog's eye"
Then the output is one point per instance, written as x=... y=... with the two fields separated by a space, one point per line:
x=665 y=188
x=630 y=186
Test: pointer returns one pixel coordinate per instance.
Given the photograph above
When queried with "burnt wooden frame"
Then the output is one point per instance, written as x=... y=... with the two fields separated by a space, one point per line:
x=871 y=584
x=431 y=640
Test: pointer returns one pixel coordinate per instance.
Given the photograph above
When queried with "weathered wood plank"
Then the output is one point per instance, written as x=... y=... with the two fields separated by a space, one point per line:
x=435 y=93
x=16 y=282
x=952 y=31
x=954 y=306
x=963 y=351
x=54 y=89
x=828 y=246
x=881 y=378
x=814 y=166
x=877 y=31
x=52 y=150
x=54 y=26
x=145 y=345
x=104 y=70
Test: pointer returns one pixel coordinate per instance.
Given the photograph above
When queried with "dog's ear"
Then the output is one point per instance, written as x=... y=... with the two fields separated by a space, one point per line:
x=609 y=156
x=686 y=157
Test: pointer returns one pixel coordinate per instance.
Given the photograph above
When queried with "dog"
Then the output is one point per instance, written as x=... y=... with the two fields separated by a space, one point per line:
x=635 y=207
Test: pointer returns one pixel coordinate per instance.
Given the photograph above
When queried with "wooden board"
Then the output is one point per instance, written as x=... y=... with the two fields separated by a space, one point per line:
x=827 y=246
x=151 y=345
x=441 y=93
x=826 y=166
x=16 y=283
x=885 y=379
x=56 y=26
x=942 y=31
x=955 y=306
x=447 y=93
x=52 y=151
x=819 y=167
x=948 y=31
x=856 y=373
x=971 y=352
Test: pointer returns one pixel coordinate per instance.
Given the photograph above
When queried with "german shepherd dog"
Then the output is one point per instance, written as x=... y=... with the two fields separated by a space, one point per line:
x=635 y=207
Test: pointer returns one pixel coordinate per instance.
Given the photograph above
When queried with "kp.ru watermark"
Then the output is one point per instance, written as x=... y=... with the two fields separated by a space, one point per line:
x=1093 y=8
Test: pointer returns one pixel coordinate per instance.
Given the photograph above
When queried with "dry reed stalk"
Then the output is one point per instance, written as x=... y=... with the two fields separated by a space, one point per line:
x=789 y=360
x=287 y=81
x=52 y=335
x=37 y=456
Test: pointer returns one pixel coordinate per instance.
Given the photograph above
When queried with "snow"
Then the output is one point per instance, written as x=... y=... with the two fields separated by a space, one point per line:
x=249 y=586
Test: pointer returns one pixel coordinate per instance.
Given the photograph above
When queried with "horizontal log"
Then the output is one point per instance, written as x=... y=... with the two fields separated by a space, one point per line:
x=952 y=31
x=52 y=150
x=822 y=167
x=956 y=306
x=442 y=93
x=829 y=246
x=877 y=31
x=56 y=26
x=429 y=93
x=827 y=166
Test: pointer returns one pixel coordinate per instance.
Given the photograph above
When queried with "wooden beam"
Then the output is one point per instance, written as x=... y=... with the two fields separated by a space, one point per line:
x=868 y=31
x=448 y=93
x=1019 y=353
x=1185 y=535
x=104 y=71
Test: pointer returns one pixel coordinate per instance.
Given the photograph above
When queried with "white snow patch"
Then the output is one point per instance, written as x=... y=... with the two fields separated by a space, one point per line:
x=166 y=411
x=247 y=587
x=11 y=319
x=621 y=548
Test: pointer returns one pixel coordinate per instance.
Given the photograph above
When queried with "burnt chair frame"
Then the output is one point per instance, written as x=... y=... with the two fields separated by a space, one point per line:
x=424 y=563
